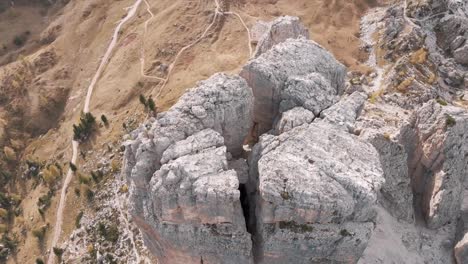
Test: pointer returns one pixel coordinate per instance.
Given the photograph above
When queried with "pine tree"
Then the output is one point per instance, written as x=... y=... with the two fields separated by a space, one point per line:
x=143 y=100
x=73 y=167
x=104 y=120
x=151 y=105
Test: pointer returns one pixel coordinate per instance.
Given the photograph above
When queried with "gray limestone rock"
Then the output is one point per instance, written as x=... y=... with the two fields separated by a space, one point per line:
x=317 y=186
x=461 y=54
x=397 y=195
x=452 y=36
x=268 y=75
x=346 y=111
x=278 y=31
x=293 y=118
x=437 y=145
x=313 y=92
x=461 y=250
x=183 y=195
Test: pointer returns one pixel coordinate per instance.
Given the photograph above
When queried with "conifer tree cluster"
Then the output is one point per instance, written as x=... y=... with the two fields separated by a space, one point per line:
x=83 y=130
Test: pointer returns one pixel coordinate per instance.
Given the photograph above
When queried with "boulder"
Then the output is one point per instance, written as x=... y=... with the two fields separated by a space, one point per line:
x=183 y=196
x=312 y=92
x=317 y=185
x=278 y=31
x=346 y=111
x=293 y=118
x=270 y=74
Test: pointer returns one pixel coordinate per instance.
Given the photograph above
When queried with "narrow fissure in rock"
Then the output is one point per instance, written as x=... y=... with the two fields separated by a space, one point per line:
x=245 y=205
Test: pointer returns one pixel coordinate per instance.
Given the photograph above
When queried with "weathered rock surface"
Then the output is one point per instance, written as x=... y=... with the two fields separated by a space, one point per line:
x=397 y=195
x=269 y=75
x=278 y=31
x=452 y=35
x=317 y=185
x=185 y=199
x=437 y=147
x=461 y=250
x=293 y=118
x=345 y=112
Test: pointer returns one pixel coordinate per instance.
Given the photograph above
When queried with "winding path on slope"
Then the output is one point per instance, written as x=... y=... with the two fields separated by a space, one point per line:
x=75 y=144
x=217 y=12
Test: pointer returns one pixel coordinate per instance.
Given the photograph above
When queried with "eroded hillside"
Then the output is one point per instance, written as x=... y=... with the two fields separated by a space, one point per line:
x=52 y=51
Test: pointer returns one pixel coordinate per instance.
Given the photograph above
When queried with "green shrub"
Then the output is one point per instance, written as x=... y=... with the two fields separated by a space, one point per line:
x=441 y=102
x=39 y=261
x=58 y=252
x=143 y=100
x=110 y=233
x=450 y=121
x=84 y=179
x=77 y=192
x=44 y=202
x=73 y=167
x=78 y=219
x=19 y=40
x=10 y=243
x=89 y=194
x=151 y=105
x=104 y=120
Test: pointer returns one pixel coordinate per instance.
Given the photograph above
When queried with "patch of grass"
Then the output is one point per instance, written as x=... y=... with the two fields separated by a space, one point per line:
x=404 y=85
x=297 y=228
x=84 y=179
x=387 y=136
x=419 y=56
x=40 y=232
x=375 y=96
x=97 y=176
x=441 y=102
x=44 y=202
x=51 y=174
x=10 y=153
x=450 y=121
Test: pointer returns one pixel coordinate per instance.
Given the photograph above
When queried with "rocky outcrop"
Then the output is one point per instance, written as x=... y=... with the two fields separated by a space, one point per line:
x=184 y=196
x=461 y=250
x=452 y=35
x=297 y=72
x=278 y=31
x=317 y=185
x=437 y=145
